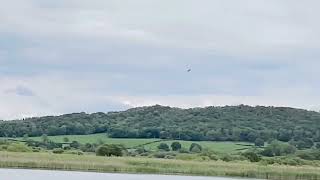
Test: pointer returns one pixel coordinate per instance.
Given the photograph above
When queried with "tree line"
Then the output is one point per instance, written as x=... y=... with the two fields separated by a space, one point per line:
x=229 y=123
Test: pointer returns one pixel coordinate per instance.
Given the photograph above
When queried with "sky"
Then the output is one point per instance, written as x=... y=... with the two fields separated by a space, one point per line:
x=68 y=56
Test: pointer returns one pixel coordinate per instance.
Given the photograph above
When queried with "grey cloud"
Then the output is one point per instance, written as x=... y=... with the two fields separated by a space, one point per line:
x=97 y=55
x=20 y=91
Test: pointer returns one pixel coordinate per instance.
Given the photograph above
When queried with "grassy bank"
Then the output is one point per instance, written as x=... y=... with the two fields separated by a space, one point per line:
x=154 y=166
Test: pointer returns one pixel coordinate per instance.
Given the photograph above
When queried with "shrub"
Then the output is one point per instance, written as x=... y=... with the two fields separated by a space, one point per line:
x=166 y=155
x=57 y=151
x=176 y=146
x=309 y=155
x=226 y=158
x=259 y=142
x=195 y=148
x=36 y=149
x=184 y=150
x=110 y=150
x=164 y=147
x=75 y=144
x=277 y=148
x=160 y=155
x=253 y=157
x=65 y=139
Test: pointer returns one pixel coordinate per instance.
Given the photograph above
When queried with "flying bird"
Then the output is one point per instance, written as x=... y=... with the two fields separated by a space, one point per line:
x=189 y=70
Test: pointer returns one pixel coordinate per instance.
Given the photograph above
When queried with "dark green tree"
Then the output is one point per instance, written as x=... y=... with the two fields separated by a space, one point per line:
x=164 y=147
x=110 y=150
x=196 y=148
x=259 y=142
x=176 y=146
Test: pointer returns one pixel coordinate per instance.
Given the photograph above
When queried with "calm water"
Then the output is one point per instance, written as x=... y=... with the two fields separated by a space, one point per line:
x=17 y=174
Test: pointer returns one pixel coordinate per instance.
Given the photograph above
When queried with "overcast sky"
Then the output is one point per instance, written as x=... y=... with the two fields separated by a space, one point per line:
x=67 y=56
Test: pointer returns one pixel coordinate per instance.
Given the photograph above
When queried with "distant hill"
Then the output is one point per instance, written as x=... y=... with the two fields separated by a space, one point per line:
x=228 y=123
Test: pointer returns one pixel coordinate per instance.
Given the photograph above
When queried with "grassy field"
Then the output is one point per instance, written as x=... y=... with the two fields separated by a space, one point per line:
x=155 y=166
x=225 y=147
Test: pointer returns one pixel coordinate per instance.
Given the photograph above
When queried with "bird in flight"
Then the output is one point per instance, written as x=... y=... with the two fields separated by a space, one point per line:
x=189 y=70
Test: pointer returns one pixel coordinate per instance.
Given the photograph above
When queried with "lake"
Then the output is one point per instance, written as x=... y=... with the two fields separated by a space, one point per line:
x=21 y=174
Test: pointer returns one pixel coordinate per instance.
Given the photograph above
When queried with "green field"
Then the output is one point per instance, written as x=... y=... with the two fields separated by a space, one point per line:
x=223 y=147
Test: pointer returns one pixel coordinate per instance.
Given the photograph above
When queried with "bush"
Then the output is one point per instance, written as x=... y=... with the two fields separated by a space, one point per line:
x=212 y=155
x=36 y=149
x=110 y=150
x=164 y=147
x=283 y=161
x=65 y=139
x=159 y=155
x=259 y=142
x=184 y=150
x=226 y=158
x=195 y=148
x=277 y=148
x=253 y=157
x=176 y=146
x=74 y=152
x=309 y=155
x=75 y=144
x=57 y=151
x=166 y=155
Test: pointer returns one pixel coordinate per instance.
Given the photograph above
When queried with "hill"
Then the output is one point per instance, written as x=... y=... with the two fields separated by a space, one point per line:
x=228 y=123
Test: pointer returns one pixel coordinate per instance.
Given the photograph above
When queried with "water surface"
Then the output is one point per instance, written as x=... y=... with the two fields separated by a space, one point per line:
x=21 y=174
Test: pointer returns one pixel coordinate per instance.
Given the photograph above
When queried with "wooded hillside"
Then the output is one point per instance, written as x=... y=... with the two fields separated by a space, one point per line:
x=229 y=123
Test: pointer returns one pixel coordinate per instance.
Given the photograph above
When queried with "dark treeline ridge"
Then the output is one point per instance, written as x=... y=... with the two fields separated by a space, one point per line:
x=228 y=123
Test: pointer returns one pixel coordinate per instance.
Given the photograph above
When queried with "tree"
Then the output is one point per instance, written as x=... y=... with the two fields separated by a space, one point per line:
x=277 y=148
x=176 y=146
x=259 y=142
x=75 y=144
x=110 y=150
x=65 y=139
x=164 y=147
x=25 y=137
x=253 y=157
x=44 y=138
x=304 y=143
x=196 y=148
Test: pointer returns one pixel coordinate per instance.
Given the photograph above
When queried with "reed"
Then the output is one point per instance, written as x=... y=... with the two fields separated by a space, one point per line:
x=155 y=166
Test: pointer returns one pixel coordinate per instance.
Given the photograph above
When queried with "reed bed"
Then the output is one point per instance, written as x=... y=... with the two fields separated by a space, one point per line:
x=155 y=166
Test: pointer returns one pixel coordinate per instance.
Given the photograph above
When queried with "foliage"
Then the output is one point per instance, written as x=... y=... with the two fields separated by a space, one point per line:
x=57 y=151
x=66 y=139
x=195 y=148
x=110 y=150
x=164 y=147
x=229 y=123
x=309 y=154
x=259 y=142
x=277 y=148
x=176 y=146
x=253 y=157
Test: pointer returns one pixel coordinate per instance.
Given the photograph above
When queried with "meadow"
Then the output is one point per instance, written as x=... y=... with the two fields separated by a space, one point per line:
x=149 y=144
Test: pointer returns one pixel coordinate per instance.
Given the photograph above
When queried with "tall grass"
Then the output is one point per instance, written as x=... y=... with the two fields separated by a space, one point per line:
x=155 y=166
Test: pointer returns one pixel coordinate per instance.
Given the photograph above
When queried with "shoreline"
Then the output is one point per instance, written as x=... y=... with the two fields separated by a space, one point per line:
x=124 y=173
x=151 y=166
